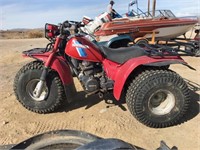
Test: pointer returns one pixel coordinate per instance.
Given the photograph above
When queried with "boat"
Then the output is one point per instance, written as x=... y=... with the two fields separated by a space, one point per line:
x=165 y=25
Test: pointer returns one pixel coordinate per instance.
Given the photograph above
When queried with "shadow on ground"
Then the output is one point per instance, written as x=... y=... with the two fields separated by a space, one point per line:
x=81 y=101
x=193 y=110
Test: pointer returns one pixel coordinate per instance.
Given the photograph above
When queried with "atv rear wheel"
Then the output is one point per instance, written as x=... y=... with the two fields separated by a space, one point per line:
x=158 y=98
x=25 y=82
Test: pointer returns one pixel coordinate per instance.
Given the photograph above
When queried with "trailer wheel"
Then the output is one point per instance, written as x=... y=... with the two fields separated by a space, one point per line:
x=52 y=96
x=158 y=98
x=141 y=42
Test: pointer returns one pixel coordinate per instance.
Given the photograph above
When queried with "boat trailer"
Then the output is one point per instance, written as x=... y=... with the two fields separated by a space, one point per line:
x=182 y=46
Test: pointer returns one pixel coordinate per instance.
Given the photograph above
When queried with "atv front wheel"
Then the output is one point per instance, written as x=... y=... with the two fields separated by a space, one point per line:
x=25 y=82
x=158 y=98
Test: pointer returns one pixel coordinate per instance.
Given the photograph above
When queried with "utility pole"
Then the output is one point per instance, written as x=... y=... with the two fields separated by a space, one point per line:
x=154 y=7
x=154 y=33
x=148 y=7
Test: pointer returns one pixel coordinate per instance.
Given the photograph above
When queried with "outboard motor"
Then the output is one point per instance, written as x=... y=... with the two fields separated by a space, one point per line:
x=92 y=25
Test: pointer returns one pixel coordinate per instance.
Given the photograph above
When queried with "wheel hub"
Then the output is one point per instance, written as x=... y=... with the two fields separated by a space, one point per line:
x=161 y=102
x=30 y=89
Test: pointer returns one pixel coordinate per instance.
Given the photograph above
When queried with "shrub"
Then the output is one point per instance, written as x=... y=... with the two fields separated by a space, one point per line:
x=36 y=34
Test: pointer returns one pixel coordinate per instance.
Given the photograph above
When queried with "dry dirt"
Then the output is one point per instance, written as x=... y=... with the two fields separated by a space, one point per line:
x=22 y=34
x=91 y=114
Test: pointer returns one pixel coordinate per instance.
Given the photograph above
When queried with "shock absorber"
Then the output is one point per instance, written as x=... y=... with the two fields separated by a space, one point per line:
x=38 y=89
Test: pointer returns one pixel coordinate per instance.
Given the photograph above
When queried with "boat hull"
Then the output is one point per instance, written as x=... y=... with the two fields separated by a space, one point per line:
x=164 y=28
x=170 y=32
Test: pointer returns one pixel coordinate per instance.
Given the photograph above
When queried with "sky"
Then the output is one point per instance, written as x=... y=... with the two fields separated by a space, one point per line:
x=35 y=13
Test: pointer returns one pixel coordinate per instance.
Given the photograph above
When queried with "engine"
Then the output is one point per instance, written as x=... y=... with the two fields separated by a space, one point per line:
x=92 y=77
x=87 y=78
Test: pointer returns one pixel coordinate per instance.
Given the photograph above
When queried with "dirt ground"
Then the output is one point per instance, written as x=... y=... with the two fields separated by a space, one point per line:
x=91 y=114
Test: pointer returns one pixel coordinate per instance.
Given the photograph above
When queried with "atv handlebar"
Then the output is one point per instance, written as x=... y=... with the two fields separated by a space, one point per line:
x=62 y=29
x=66 y=26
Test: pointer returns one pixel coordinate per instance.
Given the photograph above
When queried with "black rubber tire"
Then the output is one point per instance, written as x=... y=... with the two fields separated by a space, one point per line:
x=165 y=67
x=60 y=139
x=139 y=94
x=55 y=96
x=142 y=42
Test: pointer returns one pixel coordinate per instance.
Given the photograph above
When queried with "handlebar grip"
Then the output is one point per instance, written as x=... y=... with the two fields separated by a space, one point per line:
x=66 y=24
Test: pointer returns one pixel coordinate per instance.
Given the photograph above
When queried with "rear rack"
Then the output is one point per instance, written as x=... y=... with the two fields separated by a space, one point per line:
x=164 y=50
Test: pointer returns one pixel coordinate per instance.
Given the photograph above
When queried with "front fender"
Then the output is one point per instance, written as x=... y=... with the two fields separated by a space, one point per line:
x=123 y=72
x=59 y=64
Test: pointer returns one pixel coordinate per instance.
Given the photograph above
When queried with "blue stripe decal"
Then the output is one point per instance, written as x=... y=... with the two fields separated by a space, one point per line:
x=81 y=51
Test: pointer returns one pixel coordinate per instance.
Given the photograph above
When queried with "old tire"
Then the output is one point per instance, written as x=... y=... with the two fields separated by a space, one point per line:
x=158 y=98
x=25 y=81
x=60 y=139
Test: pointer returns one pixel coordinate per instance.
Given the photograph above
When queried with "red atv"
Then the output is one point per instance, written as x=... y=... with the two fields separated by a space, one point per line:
x=155 y=95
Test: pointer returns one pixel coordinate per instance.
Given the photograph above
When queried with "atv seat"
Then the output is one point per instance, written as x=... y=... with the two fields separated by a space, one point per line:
x=121 y=55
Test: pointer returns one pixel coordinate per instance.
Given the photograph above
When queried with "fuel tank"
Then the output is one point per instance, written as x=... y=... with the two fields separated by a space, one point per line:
x=79 y=47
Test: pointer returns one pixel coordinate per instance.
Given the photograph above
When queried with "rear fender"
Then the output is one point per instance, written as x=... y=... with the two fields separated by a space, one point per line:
x=123 y=72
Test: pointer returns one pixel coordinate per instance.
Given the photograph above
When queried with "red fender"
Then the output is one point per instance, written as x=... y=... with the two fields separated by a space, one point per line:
x=58 y=64
x=120 y=73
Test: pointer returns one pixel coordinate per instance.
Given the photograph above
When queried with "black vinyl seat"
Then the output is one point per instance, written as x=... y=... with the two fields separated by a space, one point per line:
x=121 y=55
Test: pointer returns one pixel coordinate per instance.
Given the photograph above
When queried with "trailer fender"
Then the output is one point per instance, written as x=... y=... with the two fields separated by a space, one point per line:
x=121 y=41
